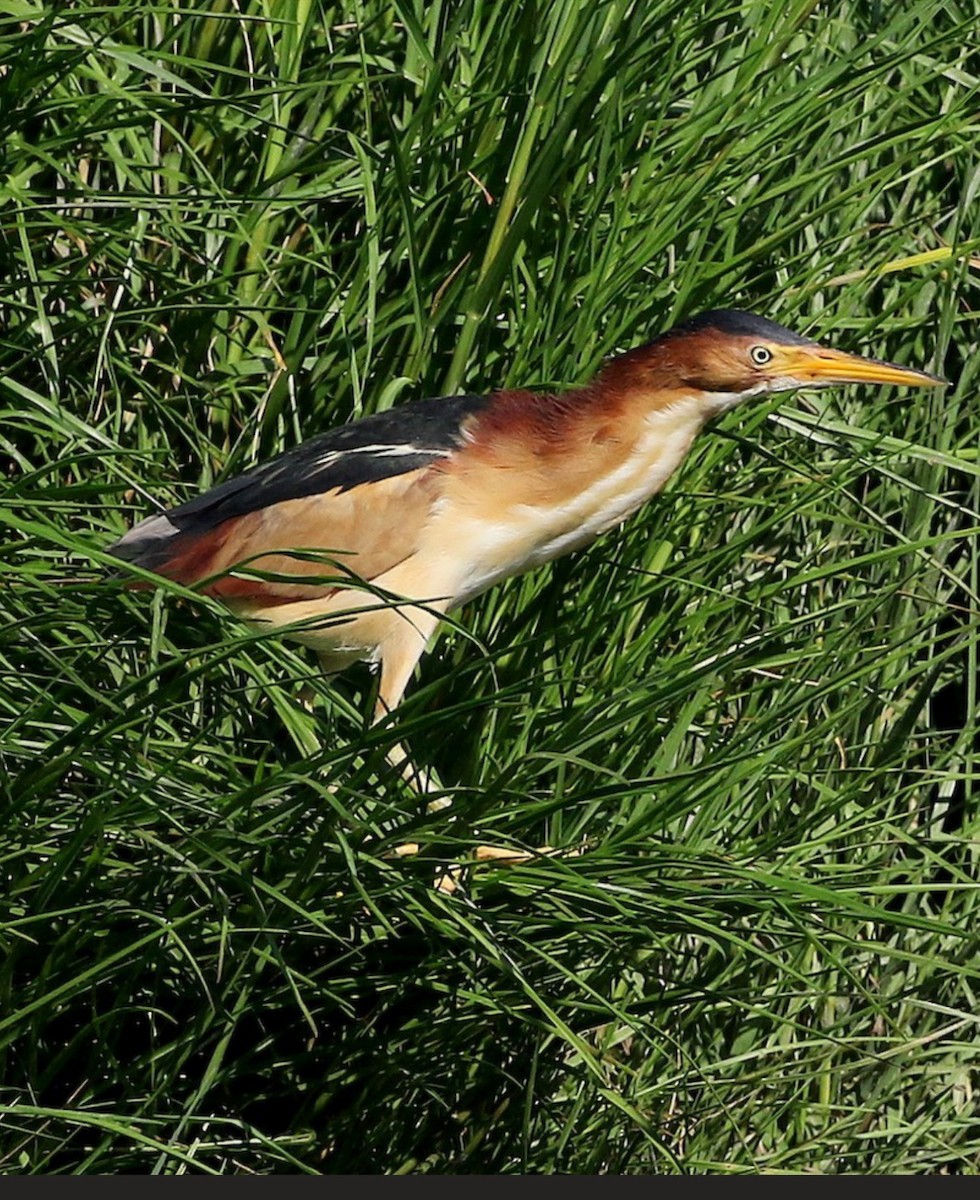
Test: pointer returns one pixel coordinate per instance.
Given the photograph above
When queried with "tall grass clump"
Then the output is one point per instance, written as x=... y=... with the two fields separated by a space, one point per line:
x=227 y=226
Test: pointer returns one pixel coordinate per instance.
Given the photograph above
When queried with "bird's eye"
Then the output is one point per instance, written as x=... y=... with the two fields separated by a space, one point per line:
x=760 y=355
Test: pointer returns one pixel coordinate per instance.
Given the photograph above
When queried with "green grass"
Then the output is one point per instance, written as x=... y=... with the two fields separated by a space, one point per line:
x=228 y=226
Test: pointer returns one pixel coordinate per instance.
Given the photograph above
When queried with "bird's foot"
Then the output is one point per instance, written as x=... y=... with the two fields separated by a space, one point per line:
x=450 y=878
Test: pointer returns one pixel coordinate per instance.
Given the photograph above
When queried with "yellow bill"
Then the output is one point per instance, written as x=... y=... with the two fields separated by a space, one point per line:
x=819 y=365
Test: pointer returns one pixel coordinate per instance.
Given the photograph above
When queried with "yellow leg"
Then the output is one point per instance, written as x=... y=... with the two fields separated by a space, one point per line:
x=451 y=879
x=399 y=656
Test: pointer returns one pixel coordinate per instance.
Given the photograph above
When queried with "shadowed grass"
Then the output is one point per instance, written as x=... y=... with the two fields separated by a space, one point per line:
x=226 y=227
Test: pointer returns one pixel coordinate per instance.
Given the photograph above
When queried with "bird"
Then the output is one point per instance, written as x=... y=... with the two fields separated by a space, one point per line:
x=359 y=541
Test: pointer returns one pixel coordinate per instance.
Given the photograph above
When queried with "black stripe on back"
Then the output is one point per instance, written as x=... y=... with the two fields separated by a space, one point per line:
x=338 y=460
x=411 y=436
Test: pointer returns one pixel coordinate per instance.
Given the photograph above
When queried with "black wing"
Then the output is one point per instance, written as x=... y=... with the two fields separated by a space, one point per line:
x=406 y=438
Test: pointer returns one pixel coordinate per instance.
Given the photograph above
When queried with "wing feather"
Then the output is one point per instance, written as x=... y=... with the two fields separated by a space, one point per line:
x=360 y=492
x=305 y=548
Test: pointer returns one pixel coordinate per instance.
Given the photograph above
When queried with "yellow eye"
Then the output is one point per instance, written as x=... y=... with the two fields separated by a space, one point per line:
x=760 y=355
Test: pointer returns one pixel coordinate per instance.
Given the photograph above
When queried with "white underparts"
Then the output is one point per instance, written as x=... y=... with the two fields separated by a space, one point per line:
x=528 y=535
x=613 y=497
x=721 y=402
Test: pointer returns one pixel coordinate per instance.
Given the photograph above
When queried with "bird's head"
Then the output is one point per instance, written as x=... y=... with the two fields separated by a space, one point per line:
x=728 y=356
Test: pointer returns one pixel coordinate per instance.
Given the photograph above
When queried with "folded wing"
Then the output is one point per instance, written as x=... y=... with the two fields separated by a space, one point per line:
x=351 y=501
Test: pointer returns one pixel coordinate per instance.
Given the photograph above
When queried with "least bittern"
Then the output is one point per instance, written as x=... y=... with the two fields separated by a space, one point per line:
x=426 y=506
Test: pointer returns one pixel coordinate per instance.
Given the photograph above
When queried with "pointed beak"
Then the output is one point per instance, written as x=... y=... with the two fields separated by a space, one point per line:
x=822 y=366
